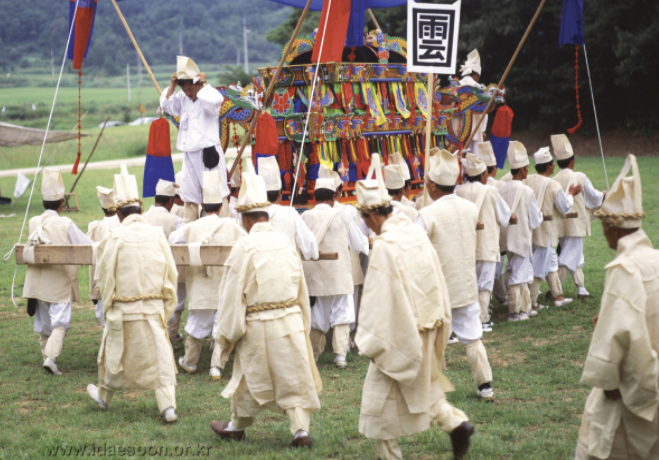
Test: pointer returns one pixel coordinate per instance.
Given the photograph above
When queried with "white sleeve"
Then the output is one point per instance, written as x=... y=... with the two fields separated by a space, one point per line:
x=356 y=239
x=563 y=202
x=305 y=239
x=172 y=105
x=503 y=211
x=176 y=237
x=419 y=221
x=484 y=124
x=592 y=197
x=535 y=216
x=179 y=223
x=76 y=236
x=210 y=99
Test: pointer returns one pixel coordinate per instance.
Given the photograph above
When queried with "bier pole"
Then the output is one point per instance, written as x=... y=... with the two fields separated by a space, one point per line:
x=430 y=99
x=137 y=47
x=375 y=21
x=505 y=74
x=271 y=87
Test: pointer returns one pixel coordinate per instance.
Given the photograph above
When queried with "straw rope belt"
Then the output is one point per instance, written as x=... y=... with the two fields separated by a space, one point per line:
x=364 y=208
x=616 y=219
x=437 y=325
x=139 y=297
x=247 y=207
x=121 y=204
x=271 y=306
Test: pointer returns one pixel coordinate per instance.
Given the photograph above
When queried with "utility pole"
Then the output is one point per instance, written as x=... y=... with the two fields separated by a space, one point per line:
x=245 y=32
x=180 y=44
x=52 y=63
x=128 y=79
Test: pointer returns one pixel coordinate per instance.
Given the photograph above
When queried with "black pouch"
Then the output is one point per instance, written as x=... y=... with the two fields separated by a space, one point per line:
x=31 y=307
x=312 y=301
x=211 y=157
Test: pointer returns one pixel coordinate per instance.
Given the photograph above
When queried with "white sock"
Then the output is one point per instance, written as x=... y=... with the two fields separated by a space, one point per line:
x=301 y=433
x=231 y=428
x=339 y=358
x=582 y=290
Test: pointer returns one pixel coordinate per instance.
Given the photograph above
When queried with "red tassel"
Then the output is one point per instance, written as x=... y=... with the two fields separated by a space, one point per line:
x=576 y=71
x=75 y=165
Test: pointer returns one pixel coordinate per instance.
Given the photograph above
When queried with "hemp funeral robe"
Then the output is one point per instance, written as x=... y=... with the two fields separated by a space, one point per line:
x=137 y=280
x=97 y=231
x=404 y=323
x=623 y=355
x=265 y=314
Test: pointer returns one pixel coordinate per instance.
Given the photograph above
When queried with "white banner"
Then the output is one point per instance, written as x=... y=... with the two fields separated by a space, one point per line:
x=432 y=37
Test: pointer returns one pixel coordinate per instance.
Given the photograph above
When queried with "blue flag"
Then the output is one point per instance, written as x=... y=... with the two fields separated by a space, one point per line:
x=571 y=23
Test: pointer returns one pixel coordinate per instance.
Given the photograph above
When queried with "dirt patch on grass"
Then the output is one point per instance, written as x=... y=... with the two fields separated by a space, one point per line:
x=498 y=360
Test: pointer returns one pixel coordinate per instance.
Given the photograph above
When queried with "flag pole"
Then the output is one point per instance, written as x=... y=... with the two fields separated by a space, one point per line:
x=271 y=87
x=429 y=101
x=137 y=47
x=597 y=124
x=375 y=21
x=505 y=74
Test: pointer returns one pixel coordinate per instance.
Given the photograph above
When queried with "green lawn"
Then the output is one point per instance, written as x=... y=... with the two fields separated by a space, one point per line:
x=536 y=364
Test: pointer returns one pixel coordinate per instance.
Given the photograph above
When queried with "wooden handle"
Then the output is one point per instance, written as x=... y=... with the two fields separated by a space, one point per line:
x=480 y=226
x=328 y=256
x=546 y=218
x=571 y=215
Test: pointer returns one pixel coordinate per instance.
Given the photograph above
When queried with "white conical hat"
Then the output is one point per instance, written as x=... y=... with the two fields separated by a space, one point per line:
x=235 y=178
x=325 y=179
x=517 y=156
x=397 y=159
x=212 y=188
x=543 y=156
x=444 y=167
x=52 y=184
x=473 y=166
x=252 y=196
x=372 y=193
x=269 y=171
x=472 y=64
x=186 y=69
x=167 y=188
x=125 y=191
x=393 y=177
x=485 y=153
x=105 y=197
x=623 y=205
x=562 y=147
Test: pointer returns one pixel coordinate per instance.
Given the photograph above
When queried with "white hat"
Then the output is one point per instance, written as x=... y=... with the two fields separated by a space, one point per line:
x=562 y=147
x=235 y=178
x=397 y=159
x=186 y=69
x=166 y=188
x=543 y=156
x=393 y=177
x=212 y=188
x=125 y=190
x=269 y=171
x=252 y=196
x=485 y=153
x=105 y=196
x=325 y=173
x=623 y=205
x=517 y=156
x=52 y=184
x=372 y=193
x=472 y=64
x=444 y=167
x=325 y=179
x=473 y=166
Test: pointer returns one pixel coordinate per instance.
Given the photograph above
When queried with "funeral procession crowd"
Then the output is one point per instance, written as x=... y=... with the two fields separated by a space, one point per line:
x=395 y=279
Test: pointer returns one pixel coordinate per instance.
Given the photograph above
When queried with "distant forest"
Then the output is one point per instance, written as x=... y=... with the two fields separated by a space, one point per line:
x=621 y=40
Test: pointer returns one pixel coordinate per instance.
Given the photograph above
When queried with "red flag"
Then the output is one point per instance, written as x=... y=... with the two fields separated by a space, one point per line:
x=337 y=30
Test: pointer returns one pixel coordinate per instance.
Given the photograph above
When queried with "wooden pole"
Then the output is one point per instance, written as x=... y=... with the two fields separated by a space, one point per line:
x=430 y=99
x=90 y=154
x=505 y=74
x=271 y=87
x=375 y=21
x=137 y=47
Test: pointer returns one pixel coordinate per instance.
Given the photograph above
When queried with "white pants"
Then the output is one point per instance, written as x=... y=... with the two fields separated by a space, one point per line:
x=521 y=269
x=331 y=310
x=355 y=300
x=571 y=253
x=466 y=323
x=486 y=272
x=99 y=312
x=544 y=261
x=51 y=315
x=200 y=323
x=193 y=180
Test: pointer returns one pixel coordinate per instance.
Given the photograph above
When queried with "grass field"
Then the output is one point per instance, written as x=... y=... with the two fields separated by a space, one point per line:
x=536 y=364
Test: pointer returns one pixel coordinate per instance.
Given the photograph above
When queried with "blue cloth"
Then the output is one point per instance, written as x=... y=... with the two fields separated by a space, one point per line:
x=312 y=171
x=156 y=168
x=571 y=32
x=352 y=172
x=317 y=5
x=500 y=147
x=355 y=36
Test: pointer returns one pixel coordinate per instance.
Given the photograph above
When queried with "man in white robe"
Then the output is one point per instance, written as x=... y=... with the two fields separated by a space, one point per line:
x=264 y=315
x=621 y=418
x=404 y=323
x=198 y=106
x=572 y=231
x=50 y=289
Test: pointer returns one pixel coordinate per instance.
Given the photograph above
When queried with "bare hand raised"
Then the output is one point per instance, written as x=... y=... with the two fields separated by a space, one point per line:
x=574 y=190
x=173 y=80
